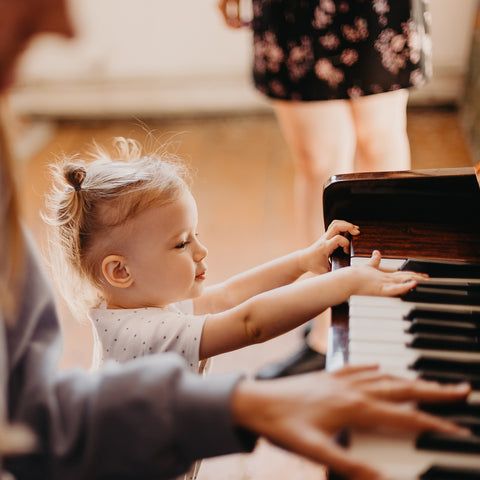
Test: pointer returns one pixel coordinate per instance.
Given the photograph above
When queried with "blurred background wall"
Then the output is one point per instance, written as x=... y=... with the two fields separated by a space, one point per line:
x=158 y=57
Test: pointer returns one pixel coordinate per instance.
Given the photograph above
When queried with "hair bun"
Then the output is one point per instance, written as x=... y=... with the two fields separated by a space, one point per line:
x=75 y=175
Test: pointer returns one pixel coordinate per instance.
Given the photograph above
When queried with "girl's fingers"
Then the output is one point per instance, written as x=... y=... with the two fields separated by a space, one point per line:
x=409 y=275
x=395 y=289
x=339 y=241
x=338 y=227
x=375 y=259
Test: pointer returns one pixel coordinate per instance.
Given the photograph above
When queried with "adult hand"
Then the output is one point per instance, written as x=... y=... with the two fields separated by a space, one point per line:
x=301 y=413
x=231 y=13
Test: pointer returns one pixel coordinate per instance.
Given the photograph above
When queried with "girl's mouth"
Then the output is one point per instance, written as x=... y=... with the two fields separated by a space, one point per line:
x=201 y=276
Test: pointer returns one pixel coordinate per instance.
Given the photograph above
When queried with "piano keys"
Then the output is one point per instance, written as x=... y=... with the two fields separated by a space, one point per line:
x=431 y=333
x=420 y=340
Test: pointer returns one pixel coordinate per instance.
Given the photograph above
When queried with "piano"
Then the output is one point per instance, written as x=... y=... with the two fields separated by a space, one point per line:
x=432 y=219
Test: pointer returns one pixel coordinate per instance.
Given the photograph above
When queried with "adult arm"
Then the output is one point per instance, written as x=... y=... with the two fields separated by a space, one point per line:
x=150 y=415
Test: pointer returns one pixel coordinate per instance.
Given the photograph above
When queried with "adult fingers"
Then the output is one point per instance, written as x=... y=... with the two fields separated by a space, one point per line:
x=402 y=389
x=230 y=10
x=222 y=7
x=403 y=418
x=355 y=370
x=318 y=447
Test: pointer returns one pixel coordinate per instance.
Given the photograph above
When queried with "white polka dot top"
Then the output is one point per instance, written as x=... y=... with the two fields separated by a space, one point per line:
x=125 y=334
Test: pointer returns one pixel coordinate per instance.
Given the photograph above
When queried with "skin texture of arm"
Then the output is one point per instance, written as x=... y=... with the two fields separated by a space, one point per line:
x=277 y=311
x=278 y=272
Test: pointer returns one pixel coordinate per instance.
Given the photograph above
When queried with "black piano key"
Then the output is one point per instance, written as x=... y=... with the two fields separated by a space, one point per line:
x=445 y=442
x=445 y=327
x=450 y=284
x=450 y=377
x=443 y=295
x=440 y=472
x=445 y=365
x=439 y=315
x=444 y=288
x=442 y=268
x=451 y=408
x=473 y=423
x=431 y=341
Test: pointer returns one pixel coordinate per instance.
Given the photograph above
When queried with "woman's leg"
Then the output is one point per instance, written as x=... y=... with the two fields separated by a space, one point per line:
x=381 y=130
x=321 y=139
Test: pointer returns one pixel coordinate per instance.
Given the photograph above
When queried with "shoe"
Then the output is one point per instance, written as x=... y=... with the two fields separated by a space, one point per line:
x=303 y=361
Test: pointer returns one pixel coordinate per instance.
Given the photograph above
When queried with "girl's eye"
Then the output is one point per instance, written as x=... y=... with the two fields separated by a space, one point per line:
x=181 y=245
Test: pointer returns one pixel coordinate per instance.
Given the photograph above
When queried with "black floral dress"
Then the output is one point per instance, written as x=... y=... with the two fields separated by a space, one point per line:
x=337 y=49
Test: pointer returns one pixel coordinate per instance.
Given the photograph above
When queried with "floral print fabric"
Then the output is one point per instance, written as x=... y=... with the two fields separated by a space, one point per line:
x=336 y=49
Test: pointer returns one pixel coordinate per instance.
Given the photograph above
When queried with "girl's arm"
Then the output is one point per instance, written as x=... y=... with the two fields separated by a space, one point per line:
x=279 y=310
x=278 y=272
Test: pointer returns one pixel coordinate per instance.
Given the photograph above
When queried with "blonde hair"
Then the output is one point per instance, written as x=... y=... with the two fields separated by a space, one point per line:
x=88 y=199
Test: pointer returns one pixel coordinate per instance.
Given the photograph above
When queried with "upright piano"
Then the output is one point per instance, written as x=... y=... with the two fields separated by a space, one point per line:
x=432 y=219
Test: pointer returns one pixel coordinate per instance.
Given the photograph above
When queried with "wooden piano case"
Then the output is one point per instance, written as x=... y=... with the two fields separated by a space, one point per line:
x=426 y=213
x=414 y=213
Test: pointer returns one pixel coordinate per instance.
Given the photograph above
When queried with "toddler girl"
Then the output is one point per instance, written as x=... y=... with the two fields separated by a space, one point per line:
x=126 y=246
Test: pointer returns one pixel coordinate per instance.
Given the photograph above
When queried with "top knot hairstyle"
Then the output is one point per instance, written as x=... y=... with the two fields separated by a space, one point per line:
x=91 y=197
x=75 y=175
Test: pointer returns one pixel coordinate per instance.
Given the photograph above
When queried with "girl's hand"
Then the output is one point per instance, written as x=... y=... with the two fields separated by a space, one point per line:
x=369 y=280
x=316 y=257
x=302 y=412
x=230 y=10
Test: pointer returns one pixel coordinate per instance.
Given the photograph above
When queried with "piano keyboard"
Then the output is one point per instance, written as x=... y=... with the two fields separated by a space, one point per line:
x=420 y=339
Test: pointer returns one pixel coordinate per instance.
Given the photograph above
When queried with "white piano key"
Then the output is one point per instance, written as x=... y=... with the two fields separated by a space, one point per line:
x=396 y=337
x=377 y=334
x=406 y=355
x=397 y=458
x=391 y=306
x=375 y=322
x=378 y=324
x=388 y=264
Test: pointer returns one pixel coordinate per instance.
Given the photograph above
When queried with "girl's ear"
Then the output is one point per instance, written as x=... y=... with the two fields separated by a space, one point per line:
x=116 y=271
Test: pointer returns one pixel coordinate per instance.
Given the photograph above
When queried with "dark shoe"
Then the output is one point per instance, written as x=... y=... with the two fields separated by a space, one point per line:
x=303 y=361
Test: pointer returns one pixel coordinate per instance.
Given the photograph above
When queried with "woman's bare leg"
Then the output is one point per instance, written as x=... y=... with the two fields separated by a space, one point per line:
x=381 y=131
x=321 y=139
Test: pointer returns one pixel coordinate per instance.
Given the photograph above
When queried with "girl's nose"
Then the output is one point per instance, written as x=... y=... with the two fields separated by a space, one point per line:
x=200 y=252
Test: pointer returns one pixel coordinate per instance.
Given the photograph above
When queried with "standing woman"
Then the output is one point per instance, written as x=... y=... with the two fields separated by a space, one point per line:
x=337 y=73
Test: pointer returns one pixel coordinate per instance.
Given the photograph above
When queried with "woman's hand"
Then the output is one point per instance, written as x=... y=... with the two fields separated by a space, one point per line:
x=231 y=13
x=301 y=413
x=316 y=257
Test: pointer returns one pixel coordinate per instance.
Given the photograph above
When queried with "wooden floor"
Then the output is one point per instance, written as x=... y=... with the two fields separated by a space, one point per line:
x=243 y=186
